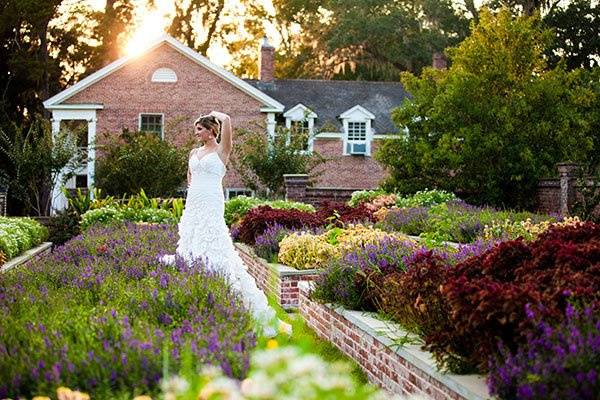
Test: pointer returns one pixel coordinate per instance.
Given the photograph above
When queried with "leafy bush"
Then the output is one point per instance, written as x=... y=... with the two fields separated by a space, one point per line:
x=556 y=362
x=305 y=251
x=20 y=234
x=347 y=281
x=364 y=196
x=258 y=219
x=411 y=221
x=528 y=230
x=129 y=308
x=340 y=214
x=141 y=160
x=426 y=198
x=110 y=214
x=488 y=293
x=238 y=207
x=63 y=226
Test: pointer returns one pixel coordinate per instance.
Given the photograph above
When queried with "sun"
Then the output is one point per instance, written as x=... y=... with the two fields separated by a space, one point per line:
x=152 y=26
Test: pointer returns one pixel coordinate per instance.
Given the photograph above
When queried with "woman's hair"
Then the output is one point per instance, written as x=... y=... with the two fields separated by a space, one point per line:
x=211 y=123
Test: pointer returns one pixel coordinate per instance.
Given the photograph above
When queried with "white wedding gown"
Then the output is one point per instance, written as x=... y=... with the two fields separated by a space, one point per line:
x=204 y=235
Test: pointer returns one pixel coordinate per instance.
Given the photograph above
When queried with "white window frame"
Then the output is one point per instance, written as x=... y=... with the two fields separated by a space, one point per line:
x=162 y=125
x=301 y=113
x=237 y=189
x=357 y=114
x=169 y=75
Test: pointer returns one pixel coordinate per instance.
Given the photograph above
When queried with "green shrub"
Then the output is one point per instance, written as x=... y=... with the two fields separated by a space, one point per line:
x=20 y=234
x=136 y=160
x=111 y=214
x=426 y=198
x=362 y=196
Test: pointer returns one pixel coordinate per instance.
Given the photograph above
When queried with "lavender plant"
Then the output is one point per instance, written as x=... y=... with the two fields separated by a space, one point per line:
x=556 y=362
x=99 y=311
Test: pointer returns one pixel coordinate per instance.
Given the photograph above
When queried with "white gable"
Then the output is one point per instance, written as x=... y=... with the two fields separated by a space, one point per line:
x=357 y=113
x=299 y=112
x=269 y=104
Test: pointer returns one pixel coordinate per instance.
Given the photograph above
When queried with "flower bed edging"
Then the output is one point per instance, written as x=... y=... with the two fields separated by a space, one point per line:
x=27 y=256
x=373 y=344
x=278 y=280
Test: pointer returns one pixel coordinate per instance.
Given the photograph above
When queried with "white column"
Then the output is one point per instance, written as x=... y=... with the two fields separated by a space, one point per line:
x=271 y=125
x=59 y=201
x=369 y=135
x=91 y=155
x=311 y=134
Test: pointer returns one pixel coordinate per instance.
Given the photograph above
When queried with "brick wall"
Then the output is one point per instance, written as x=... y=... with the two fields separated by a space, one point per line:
x=352 y=171
x=129 y=91
x=398 y=370
x=277 y=280
x=297 y=189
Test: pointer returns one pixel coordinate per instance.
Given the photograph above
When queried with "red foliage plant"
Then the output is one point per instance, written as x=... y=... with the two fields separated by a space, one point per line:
x=258 y=219
x=340 y=214
x=487 y=294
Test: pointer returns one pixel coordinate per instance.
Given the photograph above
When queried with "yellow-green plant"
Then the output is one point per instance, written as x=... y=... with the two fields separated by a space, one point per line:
x=355 y=236
x=305 y=251
x=528 y=230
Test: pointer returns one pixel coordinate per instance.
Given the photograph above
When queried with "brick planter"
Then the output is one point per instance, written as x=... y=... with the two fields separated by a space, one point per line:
x=278 y=280
x=375 y=345
x=27 y=256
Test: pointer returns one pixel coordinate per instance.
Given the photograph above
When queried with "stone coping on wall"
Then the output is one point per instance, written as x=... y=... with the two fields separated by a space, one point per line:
x=393 y=338
x=26 y=256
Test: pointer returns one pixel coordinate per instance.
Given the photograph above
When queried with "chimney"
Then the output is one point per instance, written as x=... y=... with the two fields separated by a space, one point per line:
x=439 y=61
x=266 y=62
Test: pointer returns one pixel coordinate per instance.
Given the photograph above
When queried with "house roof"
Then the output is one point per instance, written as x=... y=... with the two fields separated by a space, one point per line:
x=329 y=99
x=269 y=103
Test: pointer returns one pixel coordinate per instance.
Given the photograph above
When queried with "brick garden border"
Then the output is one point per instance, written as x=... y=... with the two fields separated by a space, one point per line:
x=278 y=280
x=375 y=345
x=27 y=256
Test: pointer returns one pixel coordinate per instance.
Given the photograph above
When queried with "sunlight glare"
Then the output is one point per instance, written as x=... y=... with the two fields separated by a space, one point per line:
x=151 y=27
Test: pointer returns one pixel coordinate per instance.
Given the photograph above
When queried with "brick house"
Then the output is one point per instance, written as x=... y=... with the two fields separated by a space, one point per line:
x=168 y=85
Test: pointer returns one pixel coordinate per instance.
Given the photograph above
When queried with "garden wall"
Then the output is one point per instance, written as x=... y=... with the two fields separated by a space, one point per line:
x=275 y=279
x=375 y=345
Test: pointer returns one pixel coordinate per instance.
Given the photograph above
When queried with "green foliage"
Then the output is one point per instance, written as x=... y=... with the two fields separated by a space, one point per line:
x=111 y=215
x=35 y=162
x=426 y=198
x=137 y=160
x=364 y=196
x=20 y=234
x=262 y=162
x=577 y=29
x=63 y=226
x=493 y=123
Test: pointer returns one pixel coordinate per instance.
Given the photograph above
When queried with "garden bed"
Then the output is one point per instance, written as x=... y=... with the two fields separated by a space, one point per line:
x=27 y=256
x=374 y=345
x=278 y=280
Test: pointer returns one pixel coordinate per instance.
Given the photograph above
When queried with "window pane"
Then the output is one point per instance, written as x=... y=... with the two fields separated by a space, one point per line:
x=151 y=123
x=357 y=131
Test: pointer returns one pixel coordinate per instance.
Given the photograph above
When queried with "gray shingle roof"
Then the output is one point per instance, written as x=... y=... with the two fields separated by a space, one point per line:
x=328 y=99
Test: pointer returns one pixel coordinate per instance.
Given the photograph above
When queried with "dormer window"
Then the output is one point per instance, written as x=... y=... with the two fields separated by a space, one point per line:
x=358 y=133
x=165 y=75
x=300 y=120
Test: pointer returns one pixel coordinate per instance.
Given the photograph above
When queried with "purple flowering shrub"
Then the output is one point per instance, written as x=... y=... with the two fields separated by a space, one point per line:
x=266 y=245
x=347 y=281
x=556 y=362
x=99 y=311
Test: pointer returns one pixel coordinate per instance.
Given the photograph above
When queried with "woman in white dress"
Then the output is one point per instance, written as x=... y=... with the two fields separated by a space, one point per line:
x=203 y=233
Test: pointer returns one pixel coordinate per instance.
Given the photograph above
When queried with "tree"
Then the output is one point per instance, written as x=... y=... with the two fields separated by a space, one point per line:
x=496 y=121
x=37 y=162
x=262 y=161
x=577 y=31
x=184 y=25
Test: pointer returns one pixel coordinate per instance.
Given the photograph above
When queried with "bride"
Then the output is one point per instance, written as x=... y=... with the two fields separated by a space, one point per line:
x=203 y=233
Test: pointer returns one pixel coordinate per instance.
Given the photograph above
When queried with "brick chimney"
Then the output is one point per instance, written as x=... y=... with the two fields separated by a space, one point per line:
x=266 y=62
x=439 y=61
